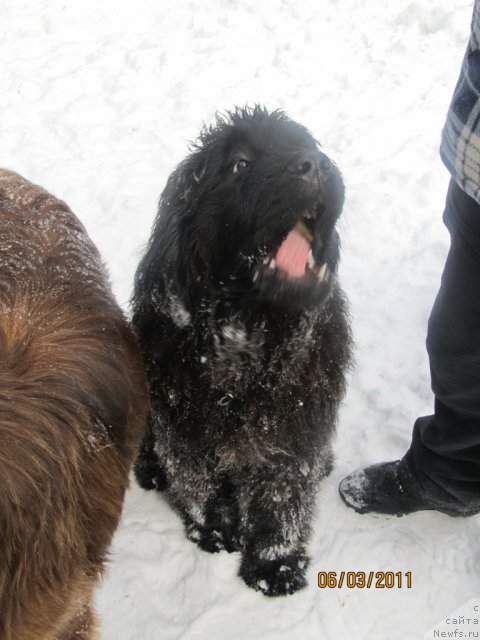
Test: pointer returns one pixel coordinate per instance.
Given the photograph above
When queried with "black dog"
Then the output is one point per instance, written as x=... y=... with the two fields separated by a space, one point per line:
x=245 y=336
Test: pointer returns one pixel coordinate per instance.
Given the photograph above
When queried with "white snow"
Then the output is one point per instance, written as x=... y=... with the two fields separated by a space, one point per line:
x=178 y=313
x=98 y=101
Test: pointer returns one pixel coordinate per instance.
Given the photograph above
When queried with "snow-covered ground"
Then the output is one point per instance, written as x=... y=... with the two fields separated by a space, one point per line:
x=97 y=103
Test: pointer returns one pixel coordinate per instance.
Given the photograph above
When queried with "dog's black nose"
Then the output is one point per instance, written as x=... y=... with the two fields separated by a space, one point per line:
x=309 y=165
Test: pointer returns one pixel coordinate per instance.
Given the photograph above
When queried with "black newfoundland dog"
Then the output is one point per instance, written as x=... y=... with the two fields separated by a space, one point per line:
x=245 y=336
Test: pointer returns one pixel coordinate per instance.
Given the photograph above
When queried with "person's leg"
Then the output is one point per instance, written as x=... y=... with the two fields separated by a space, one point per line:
x=441 y=470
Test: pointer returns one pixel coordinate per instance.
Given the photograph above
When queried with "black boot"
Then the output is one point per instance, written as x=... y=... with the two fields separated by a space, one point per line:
x=391 y=488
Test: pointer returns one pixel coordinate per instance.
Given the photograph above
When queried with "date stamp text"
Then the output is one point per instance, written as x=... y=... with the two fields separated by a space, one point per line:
x=364 y=579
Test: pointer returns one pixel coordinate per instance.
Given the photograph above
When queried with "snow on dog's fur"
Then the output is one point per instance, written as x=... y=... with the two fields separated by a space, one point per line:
x=245 y=336
x=72 y=406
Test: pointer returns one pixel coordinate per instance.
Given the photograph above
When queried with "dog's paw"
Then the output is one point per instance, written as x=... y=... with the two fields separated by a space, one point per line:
x=277 y=577
x=150 y=475
x=212 y=540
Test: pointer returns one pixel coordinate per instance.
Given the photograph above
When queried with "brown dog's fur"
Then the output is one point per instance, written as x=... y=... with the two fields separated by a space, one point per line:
x=72 y=410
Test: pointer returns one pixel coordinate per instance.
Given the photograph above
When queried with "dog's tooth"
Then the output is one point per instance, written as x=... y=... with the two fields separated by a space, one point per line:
x=272 y=264
x=255 y=276
x=304 y=230
x=322 y=272
x=310 y=259
x=265 y=260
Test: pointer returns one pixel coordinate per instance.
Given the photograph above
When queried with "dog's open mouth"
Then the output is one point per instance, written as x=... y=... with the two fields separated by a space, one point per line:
x=294 y=258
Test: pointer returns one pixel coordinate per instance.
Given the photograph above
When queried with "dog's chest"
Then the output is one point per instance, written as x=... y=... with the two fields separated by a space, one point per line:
x=239 y=357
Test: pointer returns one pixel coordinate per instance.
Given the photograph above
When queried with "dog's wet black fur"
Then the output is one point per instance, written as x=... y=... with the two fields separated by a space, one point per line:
x=246 y=341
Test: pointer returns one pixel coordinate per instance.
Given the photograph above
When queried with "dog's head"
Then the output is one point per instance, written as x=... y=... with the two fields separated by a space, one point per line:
x=250 y=215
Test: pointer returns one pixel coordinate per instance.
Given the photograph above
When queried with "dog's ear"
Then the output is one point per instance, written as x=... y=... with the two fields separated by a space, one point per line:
x=199 y=172
x=173 y=247
x=183 y=182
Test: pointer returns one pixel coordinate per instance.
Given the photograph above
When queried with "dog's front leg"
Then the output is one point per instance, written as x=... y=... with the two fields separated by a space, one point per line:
x=276 y=509
x=148 y=469
x=215 y=527
x=205 y=499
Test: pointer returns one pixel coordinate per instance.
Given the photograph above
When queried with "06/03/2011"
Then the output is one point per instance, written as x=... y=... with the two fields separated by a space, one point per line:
x=364 y=579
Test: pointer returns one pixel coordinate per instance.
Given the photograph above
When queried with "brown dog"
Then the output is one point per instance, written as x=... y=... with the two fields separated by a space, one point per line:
x=72 y=411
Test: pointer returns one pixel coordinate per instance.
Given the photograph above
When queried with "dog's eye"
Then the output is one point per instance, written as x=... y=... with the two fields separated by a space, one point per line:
x=240 y=165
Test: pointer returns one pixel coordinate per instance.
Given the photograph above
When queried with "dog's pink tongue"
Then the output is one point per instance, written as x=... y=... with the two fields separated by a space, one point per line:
x=292 y=254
